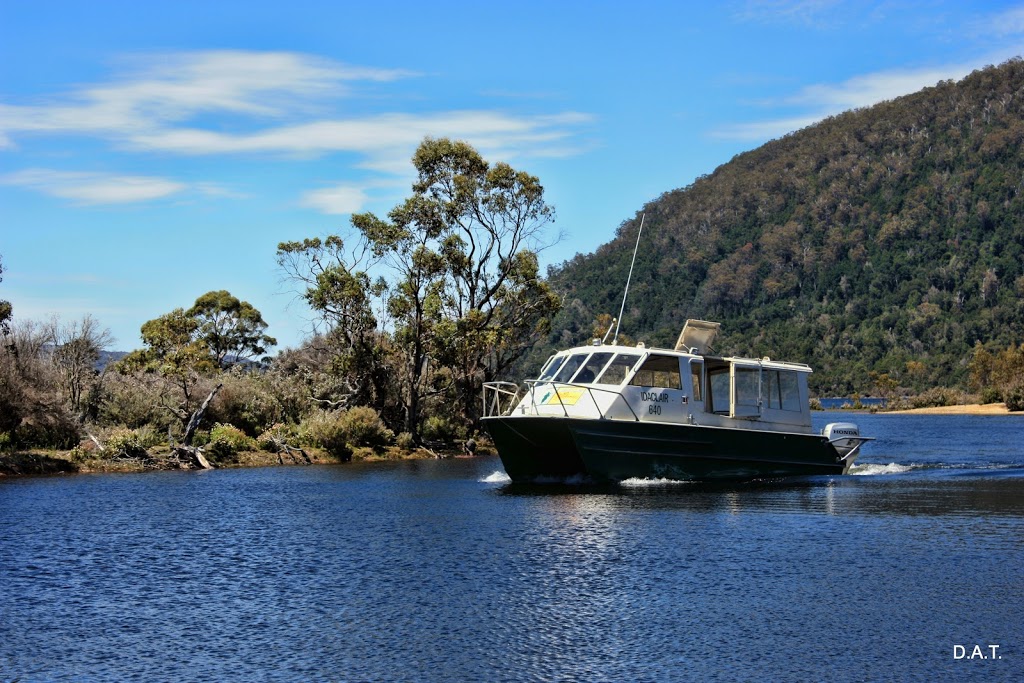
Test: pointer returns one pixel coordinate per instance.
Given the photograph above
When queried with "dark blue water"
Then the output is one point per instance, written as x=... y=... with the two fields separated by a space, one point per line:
x=443 y=571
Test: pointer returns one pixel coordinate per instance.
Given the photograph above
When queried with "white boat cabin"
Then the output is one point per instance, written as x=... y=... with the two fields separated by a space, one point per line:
x=683 y=385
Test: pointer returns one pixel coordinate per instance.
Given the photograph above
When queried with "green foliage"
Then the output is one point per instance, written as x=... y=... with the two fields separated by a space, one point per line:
x=325 y=429
x=442 y=429
x=271 y=439
x=885 y=239
x=124 y=443
x=937 y=397
x=363 y=427
x=226 y=441
x=405 y=441
x=1015 y=398
x=232 y=330
x=997 y=375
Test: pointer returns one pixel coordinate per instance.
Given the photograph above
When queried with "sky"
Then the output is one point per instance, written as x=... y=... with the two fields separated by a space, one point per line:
x=152 y=152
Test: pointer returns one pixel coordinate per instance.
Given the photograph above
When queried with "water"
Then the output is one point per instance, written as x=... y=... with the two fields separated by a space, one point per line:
x=444 y=571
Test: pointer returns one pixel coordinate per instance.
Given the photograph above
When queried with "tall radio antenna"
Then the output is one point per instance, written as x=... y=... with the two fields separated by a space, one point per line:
x=629 y=277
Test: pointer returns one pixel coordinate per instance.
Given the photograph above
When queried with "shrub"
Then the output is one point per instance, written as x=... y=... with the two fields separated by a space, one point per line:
x=439 y=428
x=405 y=441
x=268 y=440
x=124 y=443
x=1015 y=398
x=936 y=396
x=47 y=427
x=363 y=427
x=325 y=430
x=226 y=441
x=991 y=395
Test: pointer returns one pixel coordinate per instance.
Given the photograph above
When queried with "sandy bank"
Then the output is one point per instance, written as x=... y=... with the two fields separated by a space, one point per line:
x=968 y=409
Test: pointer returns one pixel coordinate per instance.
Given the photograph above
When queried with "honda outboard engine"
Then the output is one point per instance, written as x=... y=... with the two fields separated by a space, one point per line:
x=845 y=438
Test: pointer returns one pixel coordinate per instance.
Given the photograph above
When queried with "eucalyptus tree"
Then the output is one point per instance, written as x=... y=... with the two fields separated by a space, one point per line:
x=174 y=353
x=184 y=346
x=460 y=295
x=233 y=330
x=337 y=285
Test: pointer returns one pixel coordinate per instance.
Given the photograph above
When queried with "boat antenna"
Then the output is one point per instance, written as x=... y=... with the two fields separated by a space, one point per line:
x=629 y=277
x=609 y=331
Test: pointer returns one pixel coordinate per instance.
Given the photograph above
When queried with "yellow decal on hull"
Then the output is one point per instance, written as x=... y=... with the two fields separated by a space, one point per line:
x=568 y=396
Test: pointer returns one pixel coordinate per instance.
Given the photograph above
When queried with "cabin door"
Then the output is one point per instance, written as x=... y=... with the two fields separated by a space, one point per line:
x=745 y=394
x=655 y=391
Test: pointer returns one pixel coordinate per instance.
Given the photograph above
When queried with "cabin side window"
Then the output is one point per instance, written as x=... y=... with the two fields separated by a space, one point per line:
x=592 y=368
x=780 y=390
x=658 y=371
x=697 y=379
x=617 y=370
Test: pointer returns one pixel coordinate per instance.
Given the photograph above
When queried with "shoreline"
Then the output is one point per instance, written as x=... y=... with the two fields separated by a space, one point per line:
x=38 y=462
x=964 y=409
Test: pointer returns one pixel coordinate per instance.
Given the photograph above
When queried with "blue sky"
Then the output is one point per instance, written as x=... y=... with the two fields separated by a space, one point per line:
x=151 y=152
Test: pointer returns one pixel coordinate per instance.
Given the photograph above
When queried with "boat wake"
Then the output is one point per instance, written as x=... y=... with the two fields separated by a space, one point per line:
x=636 y=482
x=496 y=478
x=872 y=469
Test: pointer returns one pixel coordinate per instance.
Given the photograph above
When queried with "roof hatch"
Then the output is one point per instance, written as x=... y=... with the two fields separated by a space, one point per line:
x=697 y=336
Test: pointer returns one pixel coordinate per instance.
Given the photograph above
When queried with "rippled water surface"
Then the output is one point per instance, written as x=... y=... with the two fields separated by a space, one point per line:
x=444 y=571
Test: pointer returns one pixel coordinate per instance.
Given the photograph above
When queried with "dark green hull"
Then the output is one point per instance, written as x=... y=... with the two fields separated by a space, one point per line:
x=537 y=448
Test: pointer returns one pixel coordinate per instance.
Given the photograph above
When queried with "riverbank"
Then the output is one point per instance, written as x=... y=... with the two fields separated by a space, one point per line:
x=966 y=409
x=39 y=462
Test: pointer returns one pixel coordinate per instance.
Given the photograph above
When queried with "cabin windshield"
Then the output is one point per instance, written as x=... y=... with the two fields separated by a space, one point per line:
x=550 y=367
x=569 y=367
x=617 y=370
x=592 y=368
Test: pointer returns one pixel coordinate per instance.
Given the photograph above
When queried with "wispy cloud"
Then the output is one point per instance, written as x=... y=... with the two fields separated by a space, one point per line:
x=340 y=199
x=822 y=100
x=274 y=103
x=93 y=188
x=807 y=12
x=1002 y=25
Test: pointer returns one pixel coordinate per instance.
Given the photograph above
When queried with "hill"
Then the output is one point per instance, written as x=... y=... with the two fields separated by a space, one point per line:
x=887 y=240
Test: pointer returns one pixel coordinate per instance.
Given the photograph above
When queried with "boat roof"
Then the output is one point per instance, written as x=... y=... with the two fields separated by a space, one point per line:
x=694 y=342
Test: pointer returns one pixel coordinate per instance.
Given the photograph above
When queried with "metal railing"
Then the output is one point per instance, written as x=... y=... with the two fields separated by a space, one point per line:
x=500 y=398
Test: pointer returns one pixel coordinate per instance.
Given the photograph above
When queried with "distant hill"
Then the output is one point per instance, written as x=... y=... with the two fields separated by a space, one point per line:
x=887 y=239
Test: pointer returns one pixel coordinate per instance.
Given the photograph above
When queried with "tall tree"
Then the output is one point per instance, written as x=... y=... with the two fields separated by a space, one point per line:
x=232 y=329
x=466 y=245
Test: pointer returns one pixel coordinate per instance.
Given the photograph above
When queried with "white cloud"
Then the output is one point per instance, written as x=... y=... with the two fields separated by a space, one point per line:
x=169 y=89
x=93 y=188
x=159 y=105
x=258 y=103
x=341 y=199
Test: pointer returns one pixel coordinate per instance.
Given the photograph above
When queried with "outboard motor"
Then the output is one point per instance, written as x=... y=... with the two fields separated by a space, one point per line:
x=845 y=438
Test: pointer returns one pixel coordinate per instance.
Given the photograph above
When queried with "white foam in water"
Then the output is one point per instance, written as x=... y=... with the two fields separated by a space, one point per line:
x=637 y=482
x=871 y=469
x=496 y=478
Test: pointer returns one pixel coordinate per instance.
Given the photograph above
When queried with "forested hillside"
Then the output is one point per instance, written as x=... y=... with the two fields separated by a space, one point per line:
x=886 y=240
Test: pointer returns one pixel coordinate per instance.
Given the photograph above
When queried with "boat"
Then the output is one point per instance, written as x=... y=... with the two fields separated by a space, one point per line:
x=607 y=413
